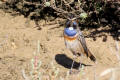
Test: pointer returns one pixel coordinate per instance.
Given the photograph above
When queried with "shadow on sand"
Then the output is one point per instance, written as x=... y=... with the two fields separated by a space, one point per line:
x=65 y=61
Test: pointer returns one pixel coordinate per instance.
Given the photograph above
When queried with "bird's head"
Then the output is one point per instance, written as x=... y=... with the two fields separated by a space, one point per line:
x=71 y=22
x=71 y=26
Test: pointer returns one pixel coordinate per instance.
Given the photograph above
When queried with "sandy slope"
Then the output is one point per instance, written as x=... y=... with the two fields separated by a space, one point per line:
x=18 y=42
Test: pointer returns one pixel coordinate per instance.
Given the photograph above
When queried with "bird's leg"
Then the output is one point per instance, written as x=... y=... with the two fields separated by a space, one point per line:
x=80 y=66
x=74 y=57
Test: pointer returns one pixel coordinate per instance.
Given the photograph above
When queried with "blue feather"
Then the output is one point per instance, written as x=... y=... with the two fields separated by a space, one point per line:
x=69 y=32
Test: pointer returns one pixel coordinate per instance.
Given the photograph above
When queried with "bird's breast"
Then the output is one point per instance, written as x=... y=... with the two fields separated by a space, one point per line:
x=70 y=38
x=70 y=35
x=70 y=32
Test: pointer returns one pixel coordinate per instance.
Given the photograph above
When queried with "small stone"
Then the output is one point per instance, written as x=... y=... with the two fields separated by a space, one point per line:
x=47 y=4
x=83 y=15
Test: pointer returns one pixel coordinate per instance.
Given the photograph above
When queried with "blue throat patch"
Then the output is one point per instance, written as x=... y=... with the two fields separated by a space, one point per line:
x=69 y=32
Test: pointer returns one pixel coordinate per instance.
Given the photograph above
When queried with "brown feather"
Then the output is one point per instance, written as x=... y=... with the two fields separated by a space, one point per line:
x=86 y=50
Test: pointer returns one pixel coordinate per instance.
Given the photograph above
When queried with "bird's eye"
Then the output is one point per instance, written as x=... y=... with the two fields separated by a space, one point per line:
x=74 y=24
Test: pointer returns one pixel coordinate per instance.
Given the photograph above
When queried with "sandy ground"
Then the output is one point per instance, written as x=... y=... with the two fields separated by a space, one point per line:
x=18 y=43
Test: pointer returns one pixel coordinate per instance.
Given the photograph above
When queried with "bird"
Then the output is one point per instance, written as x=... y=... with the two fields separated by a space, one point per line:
x=75 y=41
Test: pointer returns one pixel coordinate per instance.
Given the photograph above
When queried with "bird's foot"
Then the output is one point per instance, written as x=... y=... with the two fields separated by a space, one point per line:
x=80 y=66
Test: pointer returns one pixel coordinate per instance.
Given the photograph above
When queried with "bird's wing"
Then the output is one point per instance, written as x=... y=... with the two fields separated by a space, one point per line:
x=83 y=42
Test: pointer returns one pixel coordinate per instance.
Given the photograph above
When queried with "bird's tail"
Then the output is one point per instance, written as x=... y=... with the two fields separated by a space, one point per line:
x=91 y=56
